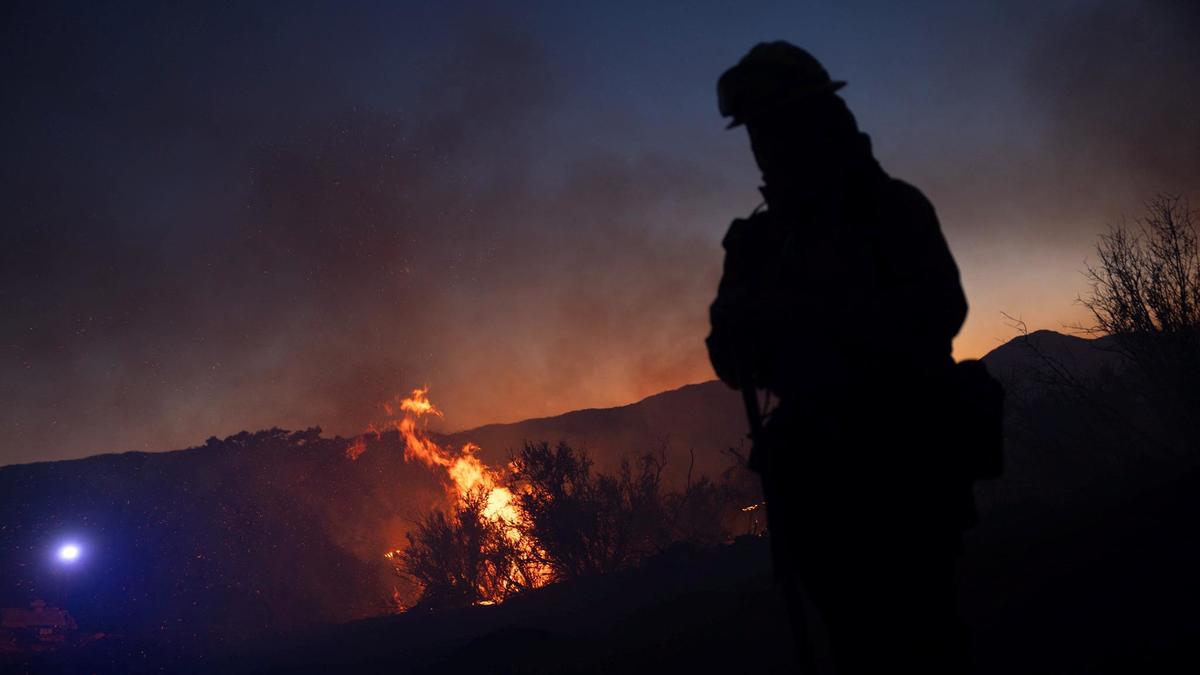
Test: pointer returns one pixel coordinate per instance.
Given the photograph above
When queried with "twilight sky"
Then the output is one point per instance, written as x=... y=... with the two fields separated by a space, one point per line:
x=218 y=219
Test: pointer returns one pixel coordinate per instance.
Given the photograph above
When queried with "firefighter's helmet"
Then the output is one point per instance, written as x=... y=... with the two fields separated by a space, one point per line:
x=770 y=74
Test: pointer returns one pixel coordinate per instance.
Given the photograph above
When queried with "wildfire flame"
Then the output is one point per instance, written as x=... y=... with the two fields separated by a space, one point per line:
x=465 y=473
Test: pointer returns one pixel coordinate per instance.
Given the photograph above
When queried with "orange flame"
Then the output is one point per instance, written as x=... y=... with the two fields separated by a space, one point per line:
x=464 y=469
x=465 y=472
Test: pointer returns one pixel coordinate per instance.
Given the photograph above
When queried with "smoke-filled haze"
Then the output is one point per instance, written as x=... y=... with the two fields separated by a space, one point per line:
x=224 y=218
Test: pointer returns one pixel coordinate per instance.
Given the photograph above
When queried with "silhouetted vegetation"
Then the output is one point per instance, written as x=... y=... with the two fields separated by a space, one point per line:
x=585 y=522
x=570 y=522
x=1145 y=293
x=1139 y=386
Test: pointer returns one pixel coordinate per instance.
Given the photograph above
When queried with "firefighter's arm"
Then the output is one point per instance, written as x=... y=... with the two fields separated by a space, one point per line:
x=728 y=312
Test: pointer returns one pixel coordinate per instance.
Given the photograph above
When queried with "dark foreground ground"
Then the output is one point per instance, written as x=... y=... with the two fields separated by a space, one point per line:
x=1101 y=581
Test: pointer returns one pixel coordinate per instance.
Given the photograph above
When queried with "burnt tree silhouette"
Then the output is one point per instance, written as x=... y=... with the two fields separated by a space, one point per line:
x=1129 y=395
x=1145 y=293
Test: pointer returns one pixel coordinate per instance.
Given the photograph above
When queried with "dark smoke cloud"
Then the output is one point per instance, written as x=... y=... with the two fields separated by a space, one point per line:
x=1118 y=83
x=255 y=265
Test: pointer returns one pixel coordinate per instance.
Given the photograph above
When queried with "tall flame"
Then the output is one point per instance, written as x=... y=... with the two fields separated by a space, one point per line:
x=465 y=473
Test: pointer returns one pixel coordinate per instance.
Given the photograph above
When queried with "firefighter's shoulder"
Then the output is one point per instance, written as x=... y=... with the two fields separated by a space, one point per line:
x=906 y=200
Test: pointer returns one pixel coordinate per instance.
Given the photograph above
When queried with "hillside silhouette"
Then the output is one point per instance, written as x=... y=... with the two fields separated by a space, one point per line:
x=261 y=533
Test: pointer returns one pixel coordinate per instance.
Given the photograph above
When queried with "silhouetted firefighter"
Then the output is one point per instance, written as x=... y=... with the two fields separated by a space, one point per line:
x=841 y=299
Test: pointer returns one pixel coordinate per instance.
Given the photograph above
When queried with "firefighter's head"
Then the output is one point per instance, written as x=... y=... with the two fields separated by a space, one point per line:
x=789 y=107
x=771 y=77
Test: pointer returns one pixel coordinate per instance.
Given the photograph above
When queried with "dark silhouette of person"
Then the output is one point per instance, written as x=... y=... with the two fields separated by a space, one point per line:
x=841 y=299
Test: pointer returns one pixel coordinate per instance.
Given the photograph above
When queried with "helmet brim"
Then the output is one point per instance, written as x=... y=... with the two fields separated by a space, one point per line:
x=831 y=87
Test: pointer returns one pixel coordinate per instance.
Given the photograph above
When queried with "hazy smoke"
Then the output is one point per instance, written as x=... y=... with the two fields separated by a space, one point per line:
x=1118 y=81
x=227 y=218
x=271 y=251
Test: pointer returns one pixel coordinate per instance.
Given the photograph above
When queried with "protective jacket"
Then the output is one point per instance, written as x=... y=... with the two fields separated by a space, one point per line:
x=855 y=281
x=842 y=299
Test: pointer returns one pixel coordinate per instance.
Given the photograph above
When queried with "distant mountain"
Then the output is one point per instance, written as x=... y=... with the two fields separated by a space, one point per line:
x=1076 y=417
x=697 y=420
x=708 y=418
x=1026 y=358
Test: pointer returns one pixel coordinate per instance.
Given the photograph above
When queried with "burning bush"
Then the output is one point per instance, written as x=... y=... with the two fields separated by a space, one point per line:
x=467 y=557
x=570 y=522
x=545 y=517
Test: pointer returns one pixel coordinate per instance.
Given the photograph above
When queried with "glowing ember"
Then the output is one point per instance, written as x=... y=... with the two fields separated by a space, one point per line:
x=356 y=449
